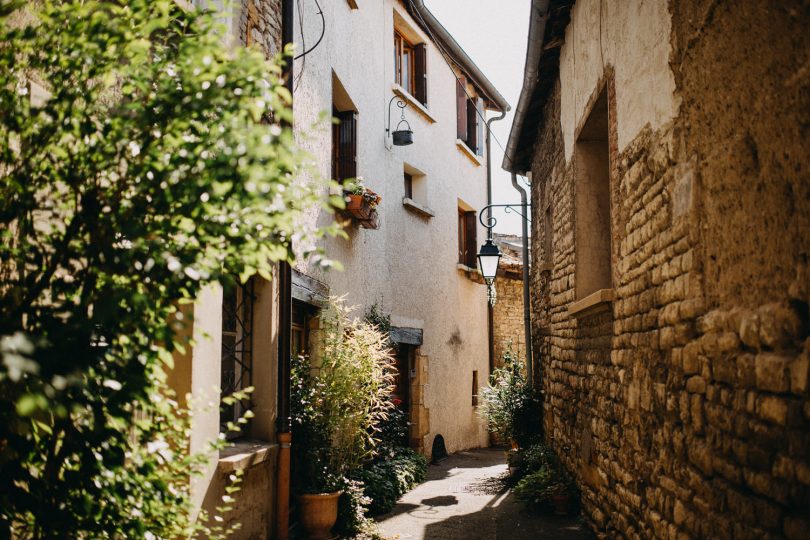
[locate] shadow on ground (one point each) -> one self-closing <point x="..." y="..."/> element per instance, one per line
<point x="466" y="496"/>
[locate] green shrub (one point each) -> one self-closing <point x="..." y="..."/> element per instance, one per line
<point x="532" y="458"/>
<point x="508" y="404"/>
<point x="387" y="479"/>
<point x="544" y="476"/>
<point x="156" y="166"/>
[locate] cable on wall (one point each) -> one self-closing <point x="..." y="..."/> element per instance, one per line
<point x="449" y="63"/>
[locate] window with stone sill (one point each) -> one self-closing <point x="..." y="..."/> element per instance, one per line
<point x="470" y="115"/>
<point x="592" y="203"/>
<point x="410" y="66"/>
<point x="467" y="237"/>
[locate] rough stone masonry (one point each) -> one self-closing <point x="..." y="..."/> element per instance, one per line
<point x="682" y="405"/>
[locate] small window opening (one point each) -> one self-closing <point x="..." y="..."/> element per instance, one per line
<point x="592" y="173"/>
<point x="475" y="388"/>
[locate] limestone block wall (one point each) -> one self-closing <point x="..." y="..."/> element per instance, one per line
<point x="507" y="318"/>
<point x="682" y="407"/>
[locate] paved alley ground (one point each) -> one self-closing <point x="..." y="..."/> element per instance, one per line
<point x="464" y="497"/>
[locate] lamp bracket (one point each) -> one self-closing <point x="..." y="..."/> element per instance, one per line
<point x="401" y="104"/>
<point x="489" y="222"/>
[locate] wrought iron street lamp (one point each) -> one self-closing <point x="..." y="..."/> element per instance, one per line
<point x="488" y="259"/>
<point x="489" y="256"/>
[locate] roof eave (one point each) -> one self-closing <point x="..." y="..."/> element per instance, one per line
<point x="438" y="31"/>
<point x="534" y="49"/>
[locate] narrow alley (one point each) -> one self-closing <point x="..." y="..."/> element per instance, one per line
<point x="465" y="497"/>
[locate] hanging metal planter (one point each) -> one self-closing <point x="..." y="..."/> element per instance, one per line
<point x="402" y="137"/>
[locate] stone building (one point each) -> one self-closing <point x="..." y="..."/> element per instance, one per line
<point x="236" y="336"/>
<point x="507" y="313"/>
<point x="415" y="261"/>
<point x="666" y="143"/>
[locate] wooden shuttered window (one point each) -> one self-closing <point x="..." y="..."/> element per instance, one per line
<point x="467" y="238"/>
<point x="472" y="126"/>
<point x="461" y="108"/>
<point x="472" y="240"/>
<point x="479" y="126"/>
<point x="420" y="73"/>
<point x="344" y="146"/>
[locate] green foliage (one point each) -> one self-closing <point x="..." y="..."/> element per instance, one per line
<point x="157" y="164"/>
<point x="339" y="398"/>
<point x="508" y="403"/>
<point x="532" y="458"/>
<point x="543" y="476"/>
<point x="394" y="430"/>
<point x="391" y="476"/>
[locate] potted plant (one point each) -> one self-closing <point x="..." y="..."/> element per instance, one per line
<point x="361" y="201"/>
<point x="548" y="484"/>
<point x="508" y="404"/>
<point x="339" y="396"/>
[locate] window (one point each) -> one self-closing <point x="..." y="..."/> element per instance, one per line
<point x="469" y="117"/>
<point x="302" y="316"/>
<point x="467" y="248"/>
<point x="408" y="185"/>
<point x="237" y="347"/>
<point x="410" y="65"/>
<point x="592" y="185"/>
<point x="344" y="145"/>
<point x="475" y="388"/>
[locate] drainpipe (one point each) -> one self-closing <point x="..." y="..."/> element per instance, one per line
<point x="284" y="435"/>
<point x="490" y="308"/>
<point x="527" y="318"/>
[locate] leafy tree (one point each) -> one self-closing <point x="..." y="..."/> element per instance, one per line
<point x="158" y="163"/>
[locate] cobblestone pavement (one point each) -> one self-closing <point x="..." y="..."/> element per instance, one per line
<point x="465" y="498"/>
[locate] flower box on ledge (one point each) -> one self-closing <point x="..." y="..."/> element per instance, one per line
<point x="362" y="207"/>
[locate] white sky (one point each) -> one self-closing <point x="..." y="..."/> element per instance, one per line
<point x="493" y="33"/>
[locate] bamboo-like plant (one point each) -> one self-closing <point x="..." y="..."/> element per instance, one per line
<point x="339" y="402"/>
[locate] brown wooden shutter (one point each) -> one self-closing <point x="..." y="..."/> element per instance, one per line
<point x="420" y="73"/>
<point x="347" y="146"/>
<point x="479" y="125"/>
<point x="461" y="108"/>
<point x="472" y="126"/>
<point x="471" y="240"/>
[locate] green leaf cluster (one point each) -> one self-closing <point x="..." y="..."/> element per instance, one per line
<point x="340" y="397"/>
<point x="157" y="161"/>
<point x="509" y="405"/>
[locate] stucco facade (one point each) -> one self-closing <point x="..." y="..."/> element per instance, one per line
<point x="674" y="348"/>
<point x="409" y="265"/>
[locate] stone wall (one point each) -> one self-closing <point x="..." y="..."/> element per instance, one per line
<point x="682" y="405"/>
<point x="507" y="318"/>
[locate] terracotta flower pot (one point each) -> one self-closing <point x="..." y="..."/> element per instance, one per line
<point x="359" y="207"/>
<point x="318" y="514"/>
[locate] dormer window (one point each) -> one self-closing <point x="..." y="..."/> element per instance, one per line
<point x="410" y="63"/>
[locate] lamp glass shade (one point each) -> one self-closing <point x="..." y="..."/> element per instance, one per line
<point x="488" y="259"/>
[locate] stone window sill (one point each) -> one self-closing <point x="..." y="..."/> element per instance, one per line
<point x="467" y="151"/>
<point x="472" y="273"/>
<point x="414" y="206"/>
<point x="413" y="102"/>
<point x="243" y="454"/>
<point x="596" y="301"/>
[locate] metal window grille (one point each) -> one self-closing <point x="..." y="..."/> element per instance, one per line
<point x="237" y="348"/>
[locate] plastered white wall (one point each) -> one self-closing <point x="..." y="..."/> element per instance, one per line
<point x="635" y="39"/>
<point x="409" y="264"/>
